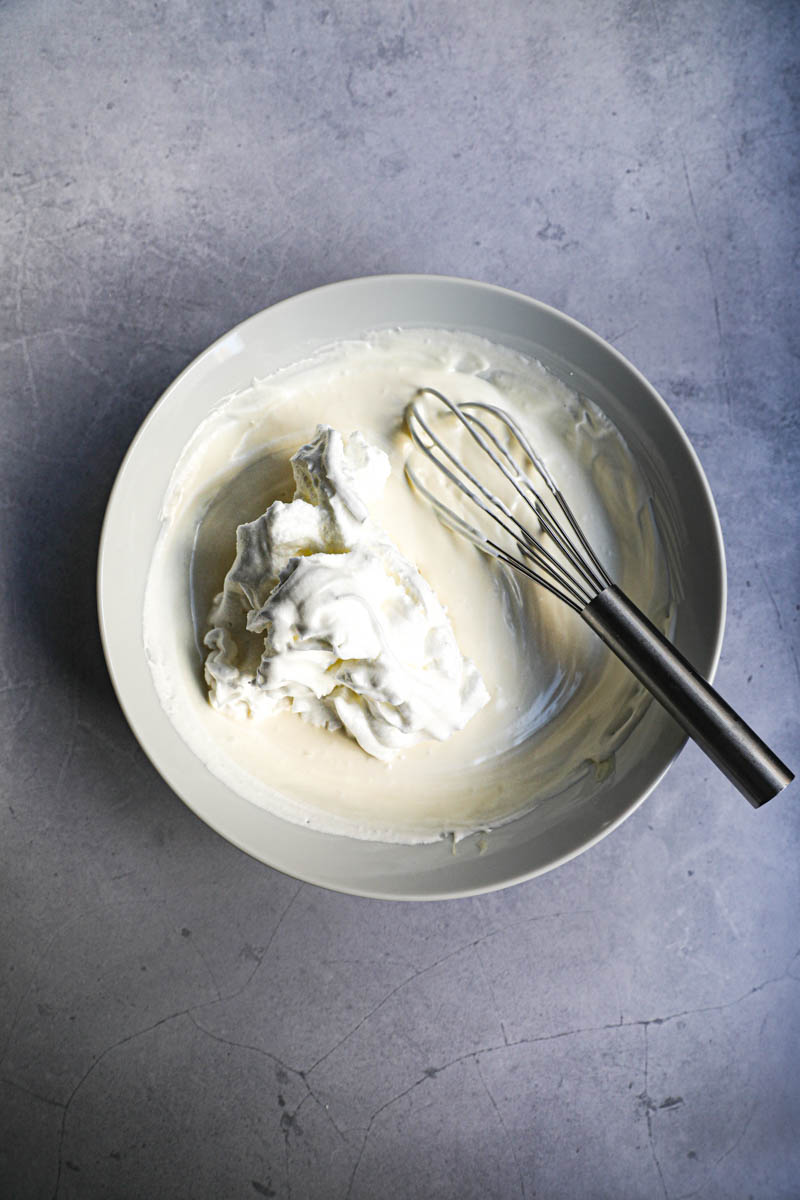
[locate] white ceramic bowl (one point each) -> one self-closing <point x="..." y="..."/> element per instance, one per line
<point x="291" y="330"/>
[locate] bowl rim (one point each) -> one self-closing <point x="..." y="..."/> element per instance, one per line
<point x="355" y="284"/>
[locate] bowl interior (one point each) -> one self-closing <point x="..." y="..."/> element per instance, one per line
<point x="291" y="330"/>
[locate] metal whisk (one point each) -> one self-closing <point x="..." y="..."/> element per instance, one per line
<point x="558" y="556"/>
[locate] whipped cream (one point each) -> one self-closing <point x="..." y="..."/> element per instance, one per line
<point x="560" y="704"/>
<point x="347" y="632"/>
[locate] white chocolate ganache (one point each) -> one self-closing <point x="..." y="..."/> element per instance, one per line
<point x="524" y="702"/>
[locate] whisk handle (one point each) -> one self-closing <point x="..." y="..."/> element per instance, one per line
<point x="703" y="714"/>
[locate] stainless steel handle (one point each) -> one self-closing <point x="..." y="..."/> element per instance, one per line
<point x="718" y="730"/>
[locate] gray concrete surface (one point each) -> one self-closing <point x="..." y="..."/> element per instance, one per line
<point x="177" y="1020"/>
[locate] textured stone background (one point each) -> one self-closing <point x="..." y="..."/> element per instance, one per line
<point x="177" y="1020"/>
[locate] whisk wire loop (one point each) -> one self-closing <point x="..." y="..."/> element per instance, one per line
<point x="539" y="507"/>
<point x="512" y="425"/>
<point x="571" y="577"/>
<point x="484" y="543"/>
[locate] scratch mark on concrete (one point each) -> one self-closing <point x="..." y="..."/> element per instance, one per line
<point x="502" y="1123"/>
<point x="95" y="1063"/>
<point x="715" y="298"/>
<point x="648" y="1113"/>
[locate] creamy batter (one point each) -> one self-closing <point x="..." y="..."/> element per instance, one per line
<point x="559" y="704"/>
<point x="321" y="615"/>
